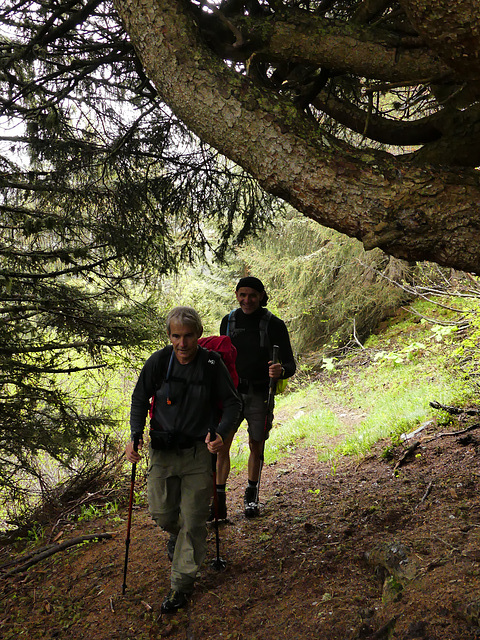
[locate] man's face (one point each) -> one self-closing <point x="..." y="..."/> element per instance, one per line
<point x="249" y="299"/>
<point x="185" y="340"/>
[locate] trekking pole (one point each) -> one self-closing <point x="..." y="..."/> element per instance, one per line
<point x="269" y="416"/>
<point x="218" y="564"/>
<point x="136" y="439"/>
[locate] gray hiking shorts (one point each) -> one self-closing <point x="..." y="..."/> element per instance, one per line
<point x="254" y="411"/>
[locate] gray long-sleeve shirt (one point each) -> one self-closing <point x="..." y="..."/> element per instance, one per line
<point x="188" y="401"/>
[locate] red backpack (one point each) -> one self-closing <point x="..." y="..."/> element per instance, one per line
<point x="224" y="347"/>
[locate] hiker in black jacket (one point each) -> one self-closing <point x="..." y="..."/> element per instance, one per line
<point x="188" y="384"/>
<point x="253" y="331"/>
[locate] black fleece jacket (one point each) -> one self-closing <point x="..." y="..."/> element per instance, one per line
<point x="252" y="360"/>
<point x="194" y="395"/>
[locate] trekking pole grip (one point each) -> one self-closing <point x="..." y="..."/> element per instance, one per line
<point x="213" y="435"/>
<point x="276" y="353"/>
<point x="275" y="358"/>
<point x="136" y="441"/>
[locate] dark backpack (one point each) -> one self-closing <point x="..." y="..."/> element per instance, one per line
<point x="264" y="340"/>
<point x="263" y="327"/>
<point x="219" y="344"/>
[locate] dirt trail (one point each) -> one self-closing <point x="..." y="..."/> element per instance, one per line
<point x="364" y="552"/>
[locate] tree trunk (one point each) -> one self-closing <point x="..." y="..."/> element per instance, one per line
<point x="413" y="213"/>
<point x="450" y="29"/>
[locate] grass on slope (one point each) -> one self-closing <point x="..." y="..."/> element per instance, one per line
<point x="380" y="391"/>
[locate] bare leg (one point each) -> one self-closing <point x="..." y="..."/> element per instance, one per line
<point x="223" y="460"/>
<point x="254" y="459"/>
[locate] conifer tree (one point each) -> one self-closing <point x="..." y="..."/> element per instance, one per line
<point x="102" y="190"/>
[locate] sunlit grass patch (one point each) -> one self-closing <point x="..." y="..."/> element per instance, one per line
<point x="306" y="429"/>
<point x="395" y="404"/>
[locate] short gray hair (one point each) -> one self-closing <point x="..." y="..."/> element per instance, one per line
<point x="185" y="315"/>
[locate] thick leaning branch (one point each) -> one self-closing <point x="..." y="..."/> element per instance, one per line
<point x="451" y="30"/>
<point x="379" y="128"/>
<point x="310" y="39"/>
<point x="446" y="126"/>
<point x="410" y="212"/>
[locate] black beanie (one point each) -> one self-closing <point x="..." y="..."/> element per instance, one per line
<point x="253" y="283"/>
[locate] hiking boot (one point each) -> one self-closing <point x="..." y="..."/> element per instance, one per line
<point x="174" y="600"/>
<point x="222" y="507"/>
<point x="251" y="503"/>
<point x="172" y="541"/>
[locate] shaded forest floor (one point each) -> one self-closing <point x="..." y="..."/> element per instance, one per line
<point x="359" y="551"/>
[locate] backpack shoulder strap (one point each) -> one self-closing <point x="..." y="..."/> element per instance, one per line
<point x="163" y="365"/>
<point x="231" y="323"/>
<point x="210" y="356"/>
<point x="210" y="365"/>
<point x="263" y="327"/>
<point x="162" y="373"/>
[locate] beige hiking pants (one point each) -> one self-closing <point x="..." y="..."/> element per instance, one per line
<point x="180" y="487"/>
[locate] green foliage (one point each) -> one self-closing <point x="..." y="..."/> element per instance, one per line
<point x="206" y="286"/>
<point x="398" y="408"/>
<point x="412" y="350"/>
<point x="441" y="331"/>
<point x="406" y="353"/>
<point x="36" y="534"/>
<point x="328" y="364"/>
<point x="464" y="359"/>
<point x="102" y="192"/>
<point x="55" y="375"/>
<point x="323" y="284"/>
<point x="92" y="512"/>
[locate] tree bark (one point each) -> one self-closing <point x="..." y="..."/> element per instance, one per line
<point x="451" y="29"/>
<point x="305" y="38"/>
<point x="413" y="213"/>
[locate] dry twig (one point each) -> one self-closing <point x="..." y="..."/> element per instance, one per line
<point x="453" y="433"/>
<point x="407" y="453"/>
<point x="46" y="552"/>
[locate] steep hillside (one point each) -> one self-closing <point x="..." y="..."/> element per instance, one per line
<point x="375" y="549"/>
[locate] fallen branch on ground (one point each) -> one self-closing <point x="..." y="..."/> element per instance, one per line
<point x="425" y="495"/>
<point x="407" y="453"/>
<point x="453" y="433"/>
<point x="416" y="443"/>
<point x="454" y="411"/>
<point x="32" y="559"/>
<point x="26" y="556"/>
